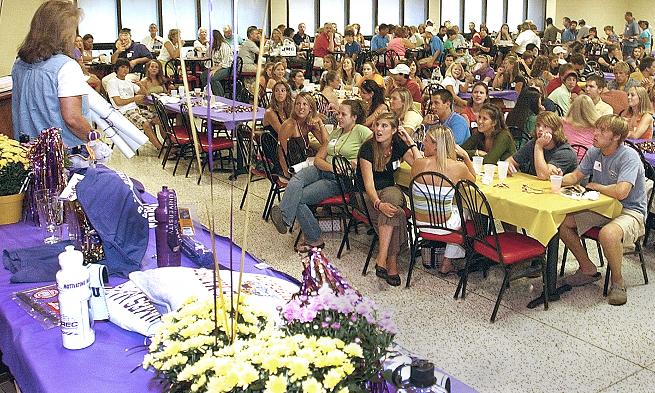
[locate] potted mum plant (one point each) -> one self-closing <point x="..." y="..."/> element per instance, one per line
<point x="14" y="168"/>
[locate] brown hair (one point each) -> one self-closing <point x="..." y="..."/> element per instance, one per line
<point x="52" y="31"/>
<point x="160" y="73"/>
<point x="379" y="160"/>
<point x="617" y="124"/>
<point x="287" y="105"/>
<point x="554" y="122"/>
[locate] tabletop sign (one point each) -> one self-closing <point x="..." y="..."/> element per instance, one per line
<point x="288" y="50"/>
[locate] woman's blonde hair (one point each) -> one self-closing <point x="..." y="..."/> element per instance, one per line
<point x="582" y="112"/>
<point x="645" y="106"/>
<point x="444" y="142"/>
<point x="172" y="33"/>
<point x="554" y="122"/>
<point x="449" y="71"/>
<point x="379" y="160"/>
<point x="310" y="101"/>
<point x="406" y="98"/>
<point x="52" y="31"/>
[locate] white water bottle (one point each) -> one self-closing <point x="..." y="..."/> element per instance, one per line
<point x="74" y="296"/>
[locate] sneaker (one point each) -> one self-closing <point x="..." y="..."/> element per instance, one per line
<point x="276" y="217"/>
<point x="579" y="279"/>
<point x="618" y="295"/>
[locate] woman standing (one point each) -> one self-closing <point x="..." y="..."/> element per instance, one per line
<point x="294" y="134"/>
<point x="171" y="48"/>
<point x="379" y="158"/>
<point x="639" y="114"/>
<point x="222" y="60"/>
<point x="373" y="97"/>
<point x="370" y="72"/>
<point x="349" y="76"/>
<point x="402" y="105"/>
<point x="317" y="182"/>
<point x="279" y="109"/>
<point x="579" y="124"/>
<point x="479" y="97"/>
<point x="443" y="156"/>
<point x="493" y="140"/>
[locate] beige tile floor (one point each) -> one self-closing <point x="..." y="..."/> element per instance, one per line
<point x="581" y="344"/>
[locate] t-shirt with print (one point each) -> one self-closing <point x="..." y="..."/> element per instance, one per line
<point x="561" y="156"/>
<point x="385" y="178"/>
<point x="135" y="51"/>
<point x="347" y="144"/>
<point x="622" y="166"/>
<point x="124" y="89"/>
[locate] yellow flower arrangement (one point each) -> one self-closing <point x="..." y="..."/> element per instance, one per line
<point x="262" y="358"/>
<point x="14" y="166"/>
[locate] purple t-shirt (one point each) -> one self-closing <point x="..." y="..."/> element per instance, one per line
<point x="77" y="54"/>
<point x="481" y="75"/>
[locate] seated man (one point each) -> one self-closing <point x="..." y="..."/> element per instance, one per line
<point x="380" y="41"/>
<point x="124" y="97"/>
<point x="441" y="105"/>
<point x="548" y="153"/>
<point x="400" y="78"/>
<point x="436" y="48"/>
<point x="562" y="96"/>
<point x="153" y="41"/>
<point x="249" y="49"/>
<point x="136" y="54"/>
<point x="617" y="172"/>
<point x="594" y="88"/>
<point x="622" y="80"/>
<point x="323" y="44"/>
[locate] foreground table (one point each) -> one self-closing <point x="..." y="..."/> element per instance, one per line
<point x="540" y="214"/>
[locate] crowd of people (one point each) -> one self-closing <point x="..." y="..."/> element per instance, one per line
<point x="563" y="98"/>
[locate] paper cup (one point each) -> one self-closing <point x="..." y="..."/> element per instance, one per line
<point x="555" y="183"/>
<point x="181" y="90"/>
<point x="477" y="164"/>
<point x="503" y="166"/>
<point x="197" y="91"/>
<point x="174" y="93"/>
<point x="489" y="170"/>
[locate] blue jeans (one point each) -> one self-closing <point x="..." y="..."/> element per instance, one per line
<point x="307" y="187"/>
<point x="217" y="77"/>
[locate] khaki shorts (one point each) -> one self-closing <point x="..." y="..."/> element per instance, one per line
<point x="630" y="221"/>
<point x="139" y="117"/>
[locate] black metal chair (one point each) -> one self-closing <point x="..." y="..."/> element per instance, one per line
<point x="268" y="147"/>
<point x="175" y="136"/>
<point x="520" y="136"/>
<point x="248" y="151"/>
<point x="506" y="249"/>
<point x="433" y="199"/>
<point x="559" y="110"/>
<point x="579" y="149"/>
<point x="391" y="59"/>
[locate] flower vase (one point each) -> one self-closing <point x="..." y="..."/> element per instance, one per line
<point x="11" y="208"/>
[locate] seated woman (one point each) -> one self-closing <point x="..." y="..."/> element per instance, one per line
<point x="479" y="97"/>
<point x="579" y="124"/>
<point x="639" y="114"/>
<point x="541" y="70"/>
<point x="349" y="75"/>
<point x="273" y="46"/>
<point x="370" y="72"/>
<point x="329" y="64"/>
<point x="482" y="71"/>
<point x="201" y="45"/>
<point x="400" y="43"/>
<point x="508" y="76"/>
<point x="278" y="75"/>
<point x="267" y="74"/>
<point x="329" y="86"/>
<point x="221" y="53"/>
<point x="456" y="81"/>
<point x="413" y="68"/>
<point x="373" y="97"/>
<point x="547" y="153"/>
<point x="171" y="48"/>
<point x="296" y="82"/>
<point x="154" y="81"/>
<point x="317" y="182"/>
<point x="279" y="109"/>
<point x="402" y="105"/>
<point x="379" y="158"/>
<point x="294" y="134"/>
<point x="524" y="113"/>
<point x="442" y="155"/>
<point x="492" y="141"/>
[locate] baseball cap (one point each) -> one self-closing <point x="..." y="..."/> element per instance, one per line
<point x="569" y="73"/>
<point x="558" y="49"/>
<point x="431" y="30"/>
<point x="400" y="69"/>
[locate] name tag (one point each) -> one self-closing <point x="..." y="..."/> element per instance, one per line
<point x="332" y="143"/>
<point x="129" y="55"/>
<point x="474" y="124"/>
<point x="395" y="165"/>
<point x="597" y="166"/>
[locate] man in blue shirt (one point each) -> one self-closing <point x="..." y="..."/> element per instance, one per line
<point x="567" y="34"/>
<point x="617" y="172"/>
<point x="442" y="105"/>
<point x="137" y="54"/>
<point x="436" y="48"/>
<point x="630" y="34"/>
<point x="381" y="40"/>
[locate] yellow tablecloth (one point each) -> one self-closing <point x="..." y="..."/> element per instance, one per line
<point x="540" y="214"/>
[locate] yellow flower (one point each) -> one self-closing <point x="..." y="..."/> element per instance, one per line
<point x="311" y="385"/>
<point x="298" y="368"/>
<point x="354" y="350"/>
<point x="276" y="384"/>
<point x="332" y="378"/>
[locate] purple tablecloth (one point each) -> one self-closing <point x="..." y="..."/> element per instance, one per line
<point x="609" y="76"/>
<point x="510" y="95"/>
<point x="650" y="157"/>
<point x="229" y="119"/>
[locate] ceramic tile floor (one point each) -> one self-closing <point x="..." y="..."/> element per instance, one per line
<point x="581" y="344"/>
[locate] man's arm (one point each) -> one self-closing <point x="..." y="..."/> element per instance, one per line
<point x="573" y="178"/>
<point x="618" y="191"/>
<point x="119" y="49"/>
<point x="71" y="112"/>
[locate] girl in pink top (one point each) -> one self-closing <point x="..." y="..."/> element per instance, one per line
<point x="579" y="123"/>
<point x="400" y="43"/>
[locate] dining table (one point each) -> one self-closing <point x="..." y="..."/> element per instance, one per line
<point x="538" y="210"/>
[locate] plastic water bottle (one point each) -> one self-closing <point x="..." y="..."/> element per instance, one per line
<point x="167" y="234"/>
<point x="74" y="296"/>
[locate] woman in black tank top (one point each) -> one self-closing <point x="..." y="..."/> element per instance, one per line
<point x="279" y="108"/>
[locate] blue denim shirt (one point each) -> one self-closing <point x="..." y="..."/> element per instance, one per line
<point x="35" y="100"/>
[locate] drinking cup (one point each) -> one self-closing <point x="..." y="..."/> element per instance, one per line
<point x="555" y="183"/>
<point x="477" y="164"/>
<point x="503" y="166"/>
<point x="489" y="170"/>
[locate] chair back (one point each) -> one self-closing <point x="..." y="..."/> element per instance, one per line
<point x="475" y="202"/>
<point x="184" y="113"/>
<point x="172" y="70"/>
<point x="391" y="58"/>
<point x="520" y="136"/>
<point x="244" y="142"/>
<point x="268" y="148"/>
<point x="164" y="120"/>
<point x="345" y="176"/>
<point x="578" y="149"/>
<point x="559" y="110"/>
<point x="264" y="98"/>
<point x="363" y="57"/>
<point x="322" y="104"/>
<point x="434" y="199"/>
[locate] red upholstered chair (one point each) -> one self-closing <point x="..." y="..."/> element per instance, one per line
<point x="175" y="136"/>
<point x="506" y="249"/>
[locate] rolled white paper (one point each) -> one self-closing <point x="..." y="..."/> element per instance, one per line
<point x="111" y="134"/>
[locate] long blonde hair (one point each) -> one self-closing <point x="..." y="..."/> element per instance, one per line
<point x="645" y="106"/>
<point x="582" y="112"/>
<point x="406" y="98"/>
<point x="444" y="142"/>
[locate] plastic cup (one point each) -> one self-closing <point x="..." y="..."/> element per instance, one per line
<point x="489" y="170"/>
<point x="477" y="164"/>
<point x="174" y="93"/>
<point x="197" y="91"/>
<point x="329" y="128"/>
<point x="181" y="90"/>
<point x="503" y="166"/>
<point x="555" y="183"/>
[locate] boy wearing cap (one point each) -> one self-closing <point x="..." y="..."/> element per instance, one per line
<point x="562" y="95"/>
<point x="137" y="54"/>
<point x="557" y="82"/>
<point x="436" y="48"/>
<point x="400" y="78"/>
